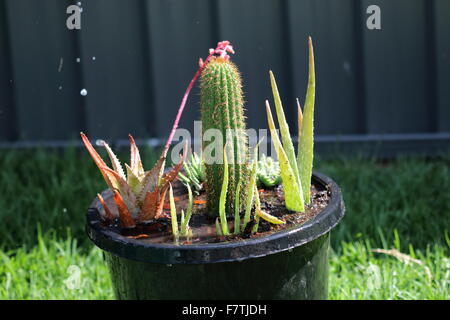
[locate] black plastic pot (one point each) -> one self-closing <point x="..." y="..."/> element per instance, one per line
<point x="291" y="264"/>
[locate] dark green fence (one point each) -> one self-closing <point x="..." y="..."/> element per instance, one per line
<point x="135" y="59"/>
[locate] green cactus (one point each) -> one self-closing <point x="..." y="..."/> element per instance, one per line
<point x="222" y="109"/>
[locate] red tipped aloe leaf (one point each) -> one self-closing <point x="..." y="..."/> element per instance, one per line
<point x="135" y="161"/>
<point x="97" y="159"/>
<point x="108" y="214"/>
<point x="170" y="176"/>
<point x="114" y="161"/>
<point x="159" y="208"/>
<point x="124" y="214"/>
<point x="148" y="211"/>
<point x="122" y="185"/>
<point x="151" y="179"/>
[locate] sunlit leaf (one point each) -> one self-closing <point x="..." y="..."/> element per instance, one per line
<point x="257" y="208"/>
<point x="292" y="190"/>
<point x="135" y="158"/>
<point x="187" y="217"/>
<point x="114" y="161"/>
<point x="108" y="214"/>
<point x="284" y="128"/>
<point x="237" y="217"/>
<point x="252" y="183"/>
<point x="306" y="142"/>
<point x="126" y="219"/>
<point x="223" y="194"/>
<point x="173" y="213"/>
<point x="97" y="159"/>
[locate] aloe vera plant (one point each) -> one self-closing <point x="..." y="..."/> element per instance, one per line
<point x="138" y="194"/>
<point x="296" y="171"/>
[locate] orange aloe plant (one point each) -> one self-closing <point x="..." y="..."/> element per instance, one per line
<point x="138" y="194"/>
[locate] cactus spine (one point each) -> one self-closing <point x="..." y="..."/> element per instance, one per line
<point x="222" y="109"/>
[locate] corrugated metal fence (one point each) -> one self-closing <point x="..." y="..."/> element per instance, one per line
<point x="135" y="58"/>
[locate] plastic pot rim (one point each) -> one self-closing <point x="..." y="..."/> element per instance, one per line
<point x="228" y="251"/>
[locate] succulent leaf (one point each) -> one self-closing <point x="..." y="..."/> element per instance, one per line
<point x="151" y="179"/>
<point x="252" y="183"/>
<point x="97" y="159"/>
<point x="135" y="158"/>
<point x="292" y="190"/>
<point x="149" y="207"/>
<point x="187" y="217"/>
<point x="268" y="172"/>
<point x="138" y="195"/>
<point x="223" y="194"/>
<point x="257" y="208"/>
<point x="114" y="161"/>
<point x="300" y="122"/>
<point x="284" y="128"/>
<point x="173" y="213"/>
<point x="237" y="217"/>
<point x="306" y="142"/>
<point x="126" y="219"/>
<point x="108" y="214"/>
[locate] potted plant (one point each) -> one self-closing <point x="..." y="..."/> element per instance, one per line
<point x="232" y="226"/>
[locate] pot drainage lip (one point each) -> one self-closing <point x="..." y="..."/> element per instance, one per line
<point x="229" y="251"/>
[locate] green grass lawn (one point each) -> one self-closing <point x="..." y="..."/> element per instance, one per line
<point x="402" y="205"/>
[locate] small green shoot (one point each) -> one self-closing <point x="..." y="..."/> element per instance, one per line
<point x="292" y="189"/>
<point x="218" y="228"/>
<point x="237" y="217"/>
<point x="194" y="173"/>
<point x="257" y="209"/>
<point x="185" y="218"/>
<point x="306" y="139"/>
<point x="252" y="184"/>
<point x="173" y="215"/>
<point x="223" y="194"/>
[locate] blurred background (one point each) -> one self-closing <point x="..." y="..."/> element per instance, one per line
<point x="135" y="60"/>
<point x="382" y="124"/>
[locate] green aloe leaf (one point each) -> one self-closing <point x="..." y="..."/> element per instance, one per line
<point x="173" y="214"/>
<point x="284" y="128"/>
<point x="292" y="189"/>
<point x="187" y="217"/>
<point x="306" y="141"/>
<point x="257" y="208"/>
<point x="223" y="194"/>
<point x="252" y="183"/>
<point x="268" y="217"/>
<point x="237" y="217"/>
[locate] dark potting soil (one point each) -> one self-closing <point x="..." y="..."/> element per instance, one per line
<point x="203" y="225"/>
